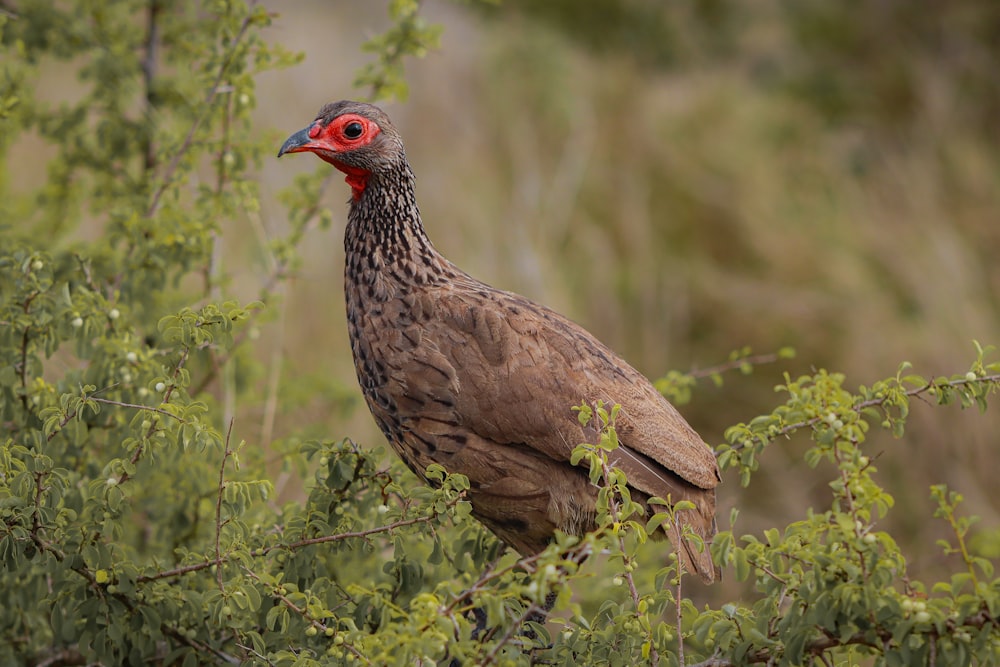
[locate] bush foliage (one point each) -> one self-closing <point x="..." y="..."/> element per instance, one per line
<point x="138" y="527"/>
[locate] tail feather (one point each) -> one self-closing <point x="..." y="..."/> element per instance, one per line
<point x="695" y="558"/>
<point x="649" y="479"/>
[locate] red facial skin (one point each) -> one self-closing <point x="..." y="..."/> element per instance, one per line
<point x="328" y="141"/>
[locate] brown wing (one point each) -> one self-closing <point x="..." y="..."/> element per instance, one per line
<point x="483" y="382"/>
<point x="523" y="367"/>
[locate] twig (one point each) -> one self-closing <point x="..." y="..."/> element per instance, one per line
<point x="130" y="604"/>
<point x="679" y="595"/>
<point x="532" y="608"/>
<point x="36" y="513"/>
<point x="218" y="509"/>
<point x="815" y="648"/>
<point x="873" y="403"/>
<point x="137" y="406"/>
<point x="252" y="651"/>
<point x="753" y="360"/>
<point x="137" y="454"/>
<point x="654" y="655"/>
<point x="25" y="339"/>
<point x="148" y="74"/>
<point x="275" y="274"/>
<point x="66" y="656"/>
<point x="490" y="574"/>
<point x="878" y="402"/>
<point x="293" y="546"/>
<point x="217" y="87"/>
<point x="304" y="613"/>
<point x="221" y="178"/>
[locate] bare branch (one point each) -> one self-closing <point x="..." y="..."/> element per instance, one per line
<point x="136" y="406"/>
<point x="227" y="452"/>
<point x="753" y="360"/>
<point x="294" y="546"/>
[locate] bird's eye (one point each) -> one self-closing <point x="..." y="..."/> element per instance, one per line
<point x="353" y="130"/>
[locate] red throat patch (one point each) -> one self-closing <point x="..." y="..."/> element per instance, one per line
<point x="357" y="178"/>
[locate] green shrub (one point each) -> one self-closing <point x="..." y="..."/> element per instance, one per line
<point x="139" y="528"/>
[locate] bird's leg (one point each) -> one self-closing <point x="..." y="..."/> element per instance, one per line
<point x="479" y="615"/>
<point x="539" y="614"/>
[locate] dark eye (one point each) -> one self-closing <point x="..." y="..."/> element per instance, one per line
<point x="353" y="130"/>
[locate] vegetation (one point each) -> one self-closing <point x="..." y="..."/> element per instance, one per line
<point x="169" y="496"/>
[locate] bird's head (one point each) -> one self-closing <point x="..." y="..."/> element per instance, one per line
<point x="356" y="138"/>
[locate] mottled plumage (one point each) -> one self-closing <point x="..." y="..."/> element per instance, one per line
<point x="483" y="381"/>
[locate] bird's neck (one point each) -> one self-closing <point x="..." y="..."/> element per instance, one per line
<point x="385" y="234"/>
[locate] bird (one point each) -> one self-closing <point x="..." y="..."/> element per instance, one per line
<point x="483" y="381"/>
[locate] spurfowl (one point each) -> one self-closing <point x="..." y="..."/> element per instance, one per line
<point x="483" y="381"/>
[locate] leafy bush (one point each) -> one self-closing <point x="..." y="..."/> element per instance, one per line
<point x="138" y="528"/>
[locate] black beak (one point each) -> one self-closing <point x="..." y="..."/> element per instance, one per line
<point x="296" y="141"/>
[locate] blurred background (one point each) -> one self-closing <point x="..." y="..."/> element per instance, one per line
<point x="685" y="179"/>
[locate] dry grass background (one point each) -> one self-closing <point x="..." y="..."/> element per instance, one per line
<point x="678" y="215"/>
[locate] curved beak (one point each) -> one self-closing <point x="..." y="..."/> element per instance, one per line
<point x="296" y="143"/>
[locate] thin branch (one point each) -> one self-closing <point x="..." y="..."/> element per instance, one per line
<point x="137" y="454"/>
<point x="217" y="87"/>
<point x="130" y="604"/>
<point x="293" y="546"/>
<point x="250" y="650"/>
<point x="148" y="74"/>
<point x="64" y="656"/>
<point x="613" y="506"/>
<point x="218" y="508"/>
<point x="678" y="596"/>
<point x="768" y="656"/>
<point x="136" y="406"/>
<point x="25" y="340"/>
<point x="877" y="402"/>
<point x="304" y="613"/>
<point x="753" y="360"/>
<point x="490" y="574"/>
<point x="491" y="657"/>
<point x="36" y="514"/>
<point x="276" y="273"/>
<point x="221" y="180"/>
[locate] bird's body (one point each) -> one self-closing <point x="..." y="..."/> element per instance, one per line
<point x="483" y="381"/>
